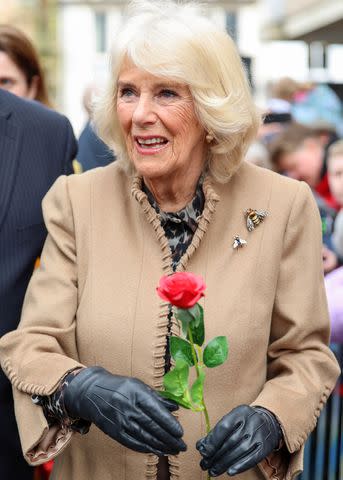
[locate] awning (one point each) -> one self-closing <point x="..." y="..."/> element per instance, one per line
<point x="229" y="4"/>
<point x="320" y="21"/>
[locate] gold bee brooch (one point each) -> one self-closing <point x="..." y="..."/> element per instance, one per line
<point x="254" y="218"/>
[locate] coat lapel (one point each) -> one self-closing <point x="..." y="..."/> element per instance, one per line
<point x="10" y="142"/>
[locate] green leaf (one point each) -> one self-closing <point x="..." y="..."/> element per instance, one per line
<point x="216" y="352"/>
<point x="185" y="317"/>
<point x="197" y="390"/>
<point x="176" y="380"/>
<point x="184" y="314"/>
<point x="189" y="314"/>
<point x="184" y="402"/>
<point x="198" y="329"/>
<point x="196" y="312"/>
<point x="180" y="348"/>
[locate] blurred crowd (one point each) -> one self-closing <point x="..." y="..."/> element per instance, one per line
<point x="301" y="137"/>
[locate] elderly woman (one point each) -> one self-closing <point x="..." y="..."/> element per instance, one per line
<point x="92" y="344"/>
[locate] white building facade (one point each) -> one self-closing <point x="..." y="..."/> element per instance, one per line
<point x="88" y="28"/>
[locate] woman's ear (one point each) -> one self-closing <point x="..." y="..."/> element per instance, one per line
<point x="33" y="88"/>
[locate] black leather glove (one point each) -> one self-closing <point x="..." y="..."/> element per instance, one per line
<point x="239" y="441"/>
<point x="126" y="409"/>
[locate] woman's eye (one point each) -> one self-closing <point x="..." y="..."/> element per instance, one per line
<point x="126" y="92"/>
<point x="6" y="82"/>
<point x="167" y="93"/>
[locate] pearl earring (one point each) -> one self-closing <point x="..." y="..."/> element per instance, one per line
<point x="209" y="138"/>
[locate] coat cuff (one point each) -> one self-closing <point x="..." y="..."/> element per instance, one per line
<point x="35" y="433"/>
<point x="35" y="378"/>
<point x="282" y="464"/>
<point x="54" y="441"/>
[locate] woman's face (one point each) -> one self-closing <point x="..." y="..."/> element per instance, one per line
<point x="335" y="176"/>
<point x="163" y="135"/>
<point x="13" y="79"/>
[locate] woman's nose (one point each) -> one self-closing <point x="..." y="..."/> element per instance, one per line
<point x="144" y="112"/>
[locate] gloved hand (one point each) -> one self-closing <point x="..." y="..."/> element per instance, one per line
<point x="239" y="441"/>
<point x="126" y="409"/>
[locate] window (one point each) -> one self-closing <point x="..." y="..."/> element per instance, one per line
<point x="100" y="31"/>
<point x="231" y="24"/>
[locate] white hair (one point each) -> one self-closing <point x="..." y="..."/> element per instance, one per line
<point x="176" y="40"/>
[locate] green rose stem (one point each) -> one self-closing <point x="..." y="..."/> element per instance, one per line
<point x="183" y="290"/>
<point x="196" y="364"/>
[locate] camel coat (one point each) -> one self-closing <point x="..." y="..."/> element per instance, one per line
<point x="93" y="302"/>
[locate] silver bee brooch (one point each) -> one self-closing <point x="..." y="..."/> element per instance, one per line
<point x="254" y="218"/>
<point x="238" y="242"/>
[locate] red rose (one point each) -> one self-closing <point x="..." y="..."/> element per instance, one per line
<point x="182" y="289"/>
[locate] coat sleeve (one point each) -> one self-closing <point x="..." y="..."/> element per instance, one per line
<point x="302" y="371"/>
<point x="43" y="349"/>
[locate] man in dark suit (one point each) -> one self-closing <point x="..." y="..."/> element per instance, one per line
<point x="36" y="146"/>
<point x="92" y="151"/>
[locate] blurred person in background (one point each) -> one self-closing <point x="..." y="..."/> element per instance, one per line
<point x="20" y="69"/>
<point x="314" y="104"/>
<point x="21" y="72"/>
<point x="258" y="154"/>
<point x="36" y="146"/>
<point x="326" y="135"/>
<point x="334" y="289"/>
<point x="92" y="151"/>
<point x="334" y="279"/>
<point x="298" y="152"/>
<point x="273" y="125"/>
<point x="280" y="98"/>
<point x="335" y="178"/>
<point x="278" y="109"/>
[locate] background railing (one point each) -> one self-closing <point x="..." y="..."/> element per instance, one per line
<point x="324" y="448"/>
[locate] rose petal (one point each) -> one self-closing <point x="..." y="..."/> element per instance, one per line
<point x="182" y="289"/>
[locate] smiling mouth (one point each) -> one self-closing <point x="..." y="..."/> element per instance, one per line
<point x="151" y="143"/>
